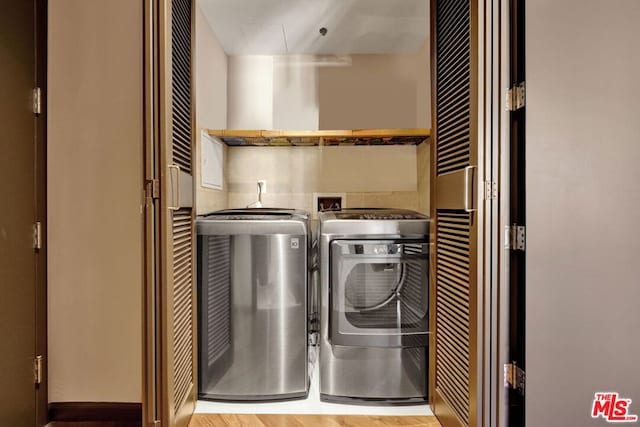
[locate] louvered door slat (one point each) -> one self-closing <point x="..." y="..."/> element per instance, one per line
<point x="453" y="85"/>
<point x="454" y="54"/>
<point x="456" y="100"/>
<point x="181" y="84"/>
<point x="453" y="319"/>
<point x="452" y="127"/>
<point x="182" y="305"/>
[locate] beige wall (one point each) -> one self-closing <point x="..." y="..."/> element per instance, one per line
<point x="582" y="175"/>
<point x="95" y="200"/>
<point x="211" y="104"/>
<point x="377" y="91"/>
<point x="371" y="176"/>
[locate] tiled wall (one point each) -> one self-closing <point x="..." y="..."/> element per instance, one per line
<point x="369" y="176"/>
<point x="391" y="199"/>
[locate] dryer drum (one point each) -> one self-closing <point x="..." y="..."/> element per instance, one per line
<point x="363" y="296"/>
<point x="388" y="293"/>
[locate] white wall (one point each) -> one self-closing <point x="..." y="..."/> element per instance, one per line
<point x="583" y="204"/>
<point x="295" y="94"/>
<point x="95" y="200"/>
<point x="211" y="104"/>
<point x="250" y="92"/>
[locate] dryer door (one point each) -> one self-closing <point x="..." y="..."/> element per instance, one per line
<point x="379" y="293"/>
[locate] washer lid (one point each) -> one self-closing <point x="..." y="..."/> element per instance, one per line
<point x="255" y="214"/>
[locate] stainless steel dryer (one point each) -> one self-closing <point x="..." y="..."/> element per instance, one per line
<point x="374" y="273"/>
<point x="252" y="317"/>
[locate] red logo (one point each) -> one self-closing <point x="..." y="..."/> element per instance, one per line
<point x="612" y="408"/>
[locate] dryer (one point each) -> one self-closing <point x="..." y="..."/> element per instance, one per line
<point x="374" y="276"/>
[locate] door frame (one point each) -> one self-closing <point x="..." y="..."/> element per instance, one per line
<point x="151" y="333"/>
<point x="492" y="104"/>
<point x="499" y="197"/>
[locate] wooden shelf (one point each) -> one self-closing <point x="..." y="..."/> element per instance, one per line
<point x="287" y="138"/>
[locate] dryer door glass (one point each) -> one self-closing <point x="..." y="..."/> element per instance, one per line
<point x="379" y="293"/>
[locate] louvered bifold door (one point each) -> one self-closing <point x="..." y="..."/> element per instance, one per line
<point x="454" y="360"/>
<point x="178" y="244"/>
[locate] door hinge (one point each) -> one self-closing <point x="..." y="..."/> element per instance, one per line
<point x="152" y="189"/>
<point x="37" y="235"/>
<point x="37" y="100"/>
<point x="37" y="369"/>
<point x="515" y="237"/>
<point x="156" y="423"/>
<point x="514" y="377"/>
<point x="516" y="97"/>
<point x="490" y="190"/>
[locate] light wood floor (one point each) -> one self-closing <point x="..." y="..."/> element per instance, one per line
<point x="257" y="420"/>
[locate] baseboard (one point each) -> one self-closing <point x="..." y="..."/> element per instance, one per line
<point x="95" y="411"/>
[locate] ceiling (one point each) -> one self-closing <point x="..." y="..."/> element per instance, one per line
<point x="280" y="27"/>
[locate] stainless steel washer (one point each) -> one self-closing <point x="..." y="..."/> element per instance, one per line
<point x="252" y="289"/>
<point x="374" y="266"/>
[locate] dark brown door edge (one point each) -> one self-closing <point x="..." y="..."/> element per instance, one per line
<point x="517" y="258"/>
<point x="41" y="29"/>
<point x="23" y="328"/>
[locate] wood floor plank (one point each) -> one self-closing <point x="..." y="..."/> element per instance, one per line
<point x="288" y="420"/>
<point x="317" y="421"/>
<point x="226" y="420"/>
<point x="359" y="420"/>
<point x="279" y="421"/>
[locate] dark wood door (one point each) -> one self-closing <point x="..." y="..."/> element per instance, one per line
<point x="22" y="265"/>
<point x="517" y="211"/>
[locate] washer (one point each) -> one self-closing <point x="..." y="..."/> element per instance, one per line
<point x="253" y="304"/>
<point x="374" y="286"/>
